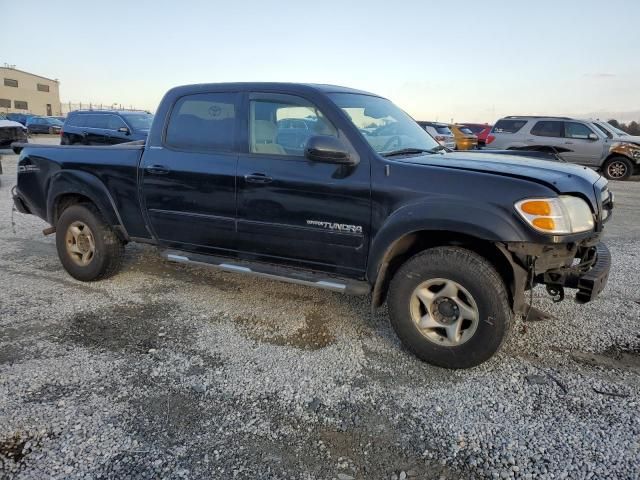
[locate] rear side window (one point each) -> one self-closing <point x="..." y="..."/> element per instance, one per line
<point x="76" y="120"/>
<point x="547" y="128"/>
<point x="203" y="121"/>
<point x="508" y="126"/>
<point x="96" y="121"/>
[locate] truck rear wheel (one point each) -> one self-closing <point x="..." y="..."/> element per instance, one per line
<point x="449" y="307"/>
<point x="88" y="248"/>
<point x="617" y="168"/>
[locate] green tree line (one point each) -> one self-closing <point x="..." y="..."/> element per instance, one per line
<point x="632" y="128"/>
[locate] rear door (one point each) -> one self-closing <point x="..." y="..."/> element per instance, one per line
<point x="547" y="133"/>
<point x="189" y="183"/>
<point x="584" y="150"/>
<point x="290" y="209"/>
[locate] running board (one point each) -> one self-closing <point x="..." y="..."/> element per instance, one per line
<point x="273" y="272"/>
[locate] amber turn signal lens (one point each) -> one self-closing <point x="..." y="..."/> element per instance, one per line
<point x="536" y="207"/>
<point x="544" y="223"/>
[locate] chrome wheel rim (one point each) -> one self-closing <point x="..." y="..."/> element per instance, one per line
<point x="617" y="169"/>
<point x="80" y="243"/>
<point x="444" y="312"/>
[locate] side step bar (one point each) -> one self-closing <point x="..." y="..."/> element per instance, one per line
<point x="273" y="272"/>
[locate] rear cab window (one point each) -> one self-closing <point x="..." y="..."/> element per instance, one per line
<point x="508" y="126"/>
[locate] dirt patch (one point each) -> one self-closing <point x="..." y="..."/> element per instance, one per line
<point x="50" y="392"/>
<point x="131" y="328"/>
<point x="15" y="449"/>
<point x="618" y="357"/>
<point x="315" y="333"/>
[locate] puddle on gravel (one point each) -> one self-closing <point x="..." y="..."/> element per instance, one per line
<point x="624" y="358"/>
<point x="315" y="333"/>
<point x="133" y="328"/>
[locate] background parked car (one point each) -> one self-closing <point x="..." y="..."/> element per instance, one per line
<point x="576" y="141"/>
<point x="20" y="117"/>
<point x="294" y="132"/>
<point x="105" y="127"/>
<point x="11" y="131"/>
<point x="441" y="132"/>
<point x="465" y="138"/>
<point x="481" y="130"/>
<point x="44" y="125"/>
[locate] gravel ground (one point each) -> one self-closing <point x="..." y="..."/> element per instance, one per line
<point x="165" y="371"/>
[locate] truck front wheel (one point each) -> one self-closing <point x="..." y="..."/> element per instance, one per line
<point x="449" y="307"/>
<point x="88" y="248"/>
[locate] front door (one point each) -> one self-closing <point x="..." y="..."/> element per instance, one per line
<point x="188" y="184"/>
<point x="290" y="209"/>
<point x="584" y="150"/>
<point x="48" y="109"/>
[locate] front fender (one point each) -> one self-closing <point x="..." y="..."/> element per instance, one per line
<point x="82" y="183"/>
<point x="480" y="220"/>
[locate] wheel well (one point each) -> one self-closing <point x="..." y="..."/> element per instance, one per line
<point x="409" y="245"/>
<point x="65" y="201"/>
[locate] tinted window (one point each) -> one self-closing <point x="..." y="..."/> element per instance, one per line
<point x="266" y="135"/>
<point x="547" y="128"/>
<point x="9" y="82"/>
<point x="114" y="122"/>
<point x="508" y="126"/>
<point x="577" y="130"/>
<point x="443" y="130"/>
<point x="139" y="121"/>
<point x="203" y="121"/>
<point x="96" y="121"/>
<point x="76" y="120"/>
<point x="465" y="130"/>
<point x="476" y="128"/>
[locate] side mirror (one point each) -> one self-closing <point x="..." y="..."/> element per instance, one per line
<point x="326" y="149"/>
<point x="593" y="136"/>
<point x="124" y="130"/>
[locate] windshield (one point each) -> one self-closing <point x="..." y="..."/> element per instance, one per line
<point x="603" y="130"/>
<point x="138" y="121"/>
<point x="383" y="125"/>
<point x="466" y="130"/>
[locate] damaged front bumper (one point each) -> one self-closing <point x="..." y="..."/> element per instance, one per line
<point x="582" y="265"/>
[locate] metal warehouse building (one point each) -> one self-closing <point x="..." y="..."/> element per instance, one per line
<point x="24" y="92"/>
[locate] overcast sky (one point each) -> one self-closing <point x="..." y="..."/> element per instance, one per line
<point x="466" y="60"/>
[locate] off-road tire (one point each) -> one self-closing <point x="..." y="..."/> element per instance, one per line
<point x="620" y="162"/>
<point x="109" y="248"/>
<point x="479" y="278"/>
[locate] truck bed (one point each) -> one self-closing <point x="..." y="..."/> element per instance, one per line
<point x="115" y="167"/>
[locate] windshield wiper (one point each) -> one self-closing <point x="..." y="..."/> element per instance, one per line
<point x="405" y="151"/>
<point x="438" y="148"/>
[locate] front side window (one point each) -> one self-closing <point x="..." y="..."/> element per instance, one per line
<point x="604" y="130"/>
<point x="139" y="121"/>
<point x="20" y="105"/>
<point x="114" y="122"/>
<point x="282" y="127"/>
<point x="10" y="82"/>
<point x="385" y="126"/>
<point x="96" y="121"/>
<point x="547" y="128"/>
<point x="577" y="130"/>
<point x="203" y="121"/>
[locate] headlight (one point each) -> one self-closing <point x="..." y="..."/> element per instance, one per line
<point x="557" y="215"/>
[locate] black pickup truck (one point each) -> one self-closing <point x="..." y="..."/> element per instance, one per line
<point x="292" y="182"/>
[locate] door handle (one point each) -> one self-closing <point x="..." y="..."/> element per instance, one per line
<point x="258" y="178"/>
<point x="568" y="143"/>
<point x="157" y="169"/>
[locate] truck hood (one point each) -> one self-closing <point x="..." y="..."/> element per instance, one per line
<point x="628" y="139"/>
<point x="561" y="177"/>
<point x="10" y="123"/>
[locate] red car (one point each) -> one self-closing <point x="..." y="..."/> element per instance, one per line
<point x="481" y="130"/>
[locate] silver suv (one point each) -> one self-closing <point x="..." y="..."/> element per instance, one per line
<point x="576" y="141"/>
